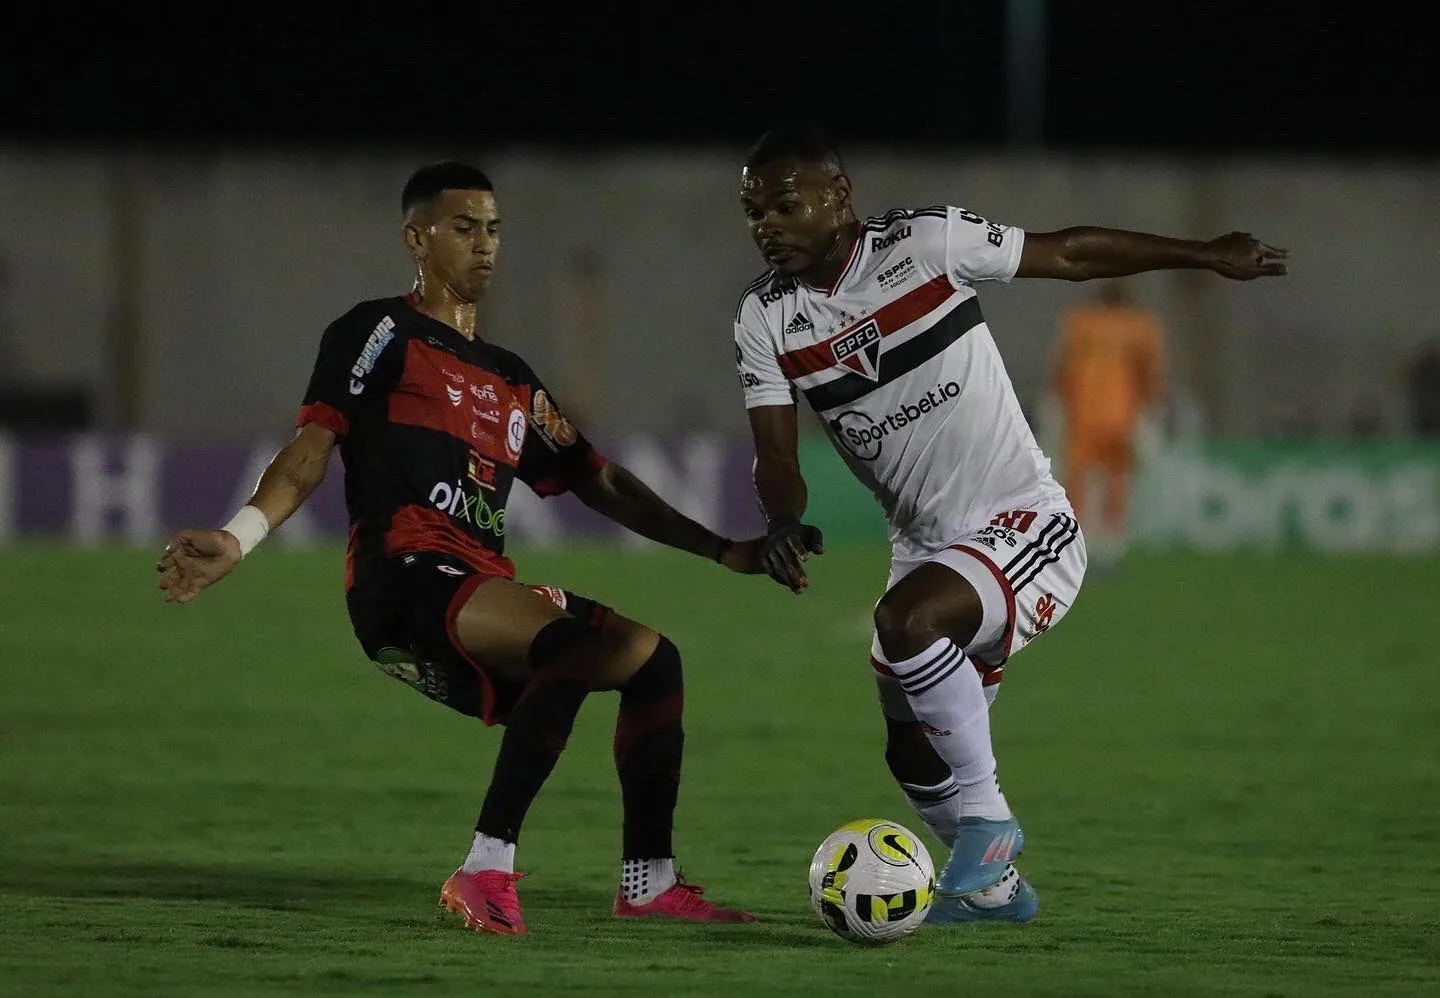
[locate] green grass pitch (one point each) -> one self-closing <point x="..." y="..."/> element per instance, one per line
<point x="1228" y="769"/>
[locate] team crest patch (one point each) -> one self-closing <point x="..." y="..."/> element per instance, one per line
<point x="515" y="434"/>
<point x="859" y="350"/>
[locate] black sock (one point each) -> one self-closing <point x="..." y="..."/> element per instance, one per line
<point x="649" y="743"/>
<point x="563" y="657"/>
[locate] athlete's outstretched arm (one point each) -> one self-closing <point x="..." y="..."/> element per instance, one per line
<point x="1085" y="253"/>
<point x="617" y="493"/>
<point x="783" y="496"/>
<point x="293" y="474"/>
<point x="195" y="559"/>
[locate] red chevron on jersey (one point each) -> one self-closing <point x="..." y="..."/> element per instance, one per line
<point x="899" y="365"/>
<point x="889" y="318"/>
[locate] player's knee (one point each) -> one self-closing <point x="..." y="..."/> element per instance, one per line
<point x="659" y="678"/>
<point x="566" y="648"/>
<point x="652" y="702"/>
<point x="905" y="628"/>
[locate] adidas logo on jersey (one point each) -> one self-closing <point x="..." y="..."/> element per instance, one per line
<point x="800" y="324"/>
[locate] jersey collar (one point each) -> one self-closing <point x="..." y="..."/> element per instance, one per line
<point x="859" y="229"/>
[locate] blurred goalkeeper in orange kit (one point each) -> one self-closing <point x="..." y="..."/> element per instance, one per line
<point x="1108" y="379"/>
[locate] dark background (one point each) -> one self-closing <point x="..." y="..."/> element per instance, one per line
<point x="1325" y="79"/>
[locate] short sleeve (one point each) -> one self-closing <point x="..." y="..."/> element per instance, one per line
<point x="356" y="361"/>
<point x="977" y="249"/>
<point x="556" y="455"/>
<point x="760" y="376"/>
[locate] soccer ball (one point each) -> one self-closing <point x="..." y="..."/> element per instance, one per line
<point x="872" y="881"/>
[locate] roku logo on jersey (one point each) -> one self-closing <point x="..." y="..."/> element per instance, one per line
<point x="862" y="436"/>
<point x="468" y="507"/>
<point x="771" y="297"/>
<point x="878" y="243"/>
<point x="379" y="339"/>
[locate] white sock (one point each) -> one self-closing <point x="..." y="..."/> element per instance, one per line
<point x="937" y="806"/>
<point x="945" y="694"/>
<point x="645" y="878"/>
<point x="490" y="854"/>
<point x="984" y="800"/>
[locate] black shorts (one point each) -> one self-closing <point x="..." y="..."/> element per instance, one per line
<point x="403" y="611"/>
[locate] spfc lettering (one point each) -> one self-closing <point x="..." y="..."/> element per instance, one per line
<point x="859" y="350"/>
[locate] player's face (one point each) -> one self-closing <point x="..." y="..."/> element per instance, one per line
<point x="796" y="212"/>
<point x="456" y="239"/>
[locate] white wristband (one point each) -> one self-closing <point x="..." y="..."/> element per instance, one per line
<point x="249" y="526"/>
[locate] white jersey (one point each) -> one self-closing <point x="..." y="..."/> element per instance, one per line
<point x="897" y="361"/>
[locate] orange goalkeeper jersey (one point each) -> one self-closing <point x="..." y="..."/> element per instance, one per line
<point x="1109" y="368"/>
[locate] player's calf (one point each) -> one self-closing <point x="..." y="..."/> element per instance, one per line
<point x="945" y="695"/>
<point x="924" y="778"/>
<point x="940" y="687"/>
<point x="564" y="656"/>
<point x="649" y="747"/>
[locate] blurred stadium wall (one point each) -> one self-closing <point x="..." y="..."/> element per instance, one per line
<point x="159" y="314"/>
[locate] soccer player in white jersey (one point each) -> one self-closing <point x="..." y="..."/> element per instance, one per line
<point x="876" y="324"/>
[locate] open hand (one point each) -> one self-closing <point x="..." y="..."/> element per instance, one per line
<point x="1241" y="257"/>
<point x="195" y="559"/>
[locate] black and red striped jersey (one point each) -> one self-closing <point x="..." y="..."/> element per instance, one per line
<point x="434" y="430"/>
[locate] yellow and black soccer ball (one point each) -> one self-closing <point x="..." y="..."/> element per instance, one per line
<point x="872" y="881"/>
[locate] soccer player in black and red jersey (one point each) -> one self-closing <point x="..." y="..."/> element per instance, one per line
<point x="435" y="425"/>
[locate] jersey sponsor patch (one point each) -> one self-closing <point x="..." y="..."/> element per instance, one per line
<point x="379" y="339"/>
<point x="785" y="287"/>
<point x="864" y="436"/>
<point x="878" y="243"/>
<point x="550" y="421"/>
<point x="481" y="470"/>
<point x="468" y="507"/>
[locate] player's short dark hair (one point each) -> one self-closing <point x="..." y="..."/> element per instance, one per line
<point x="804" y="140"/>
<point x="427" y="183"/>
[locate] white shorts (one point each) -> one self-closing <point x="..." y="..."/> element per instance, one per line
<point x="1027" y="566"/>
